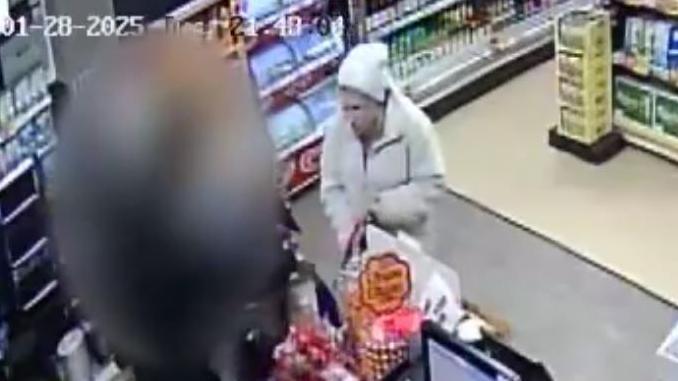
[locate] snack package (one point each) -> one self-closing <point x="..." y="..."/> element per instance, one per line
<point x="310" y="353"/>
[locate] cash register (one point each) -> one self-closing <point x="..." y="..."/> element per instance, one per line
<point x="445" y="358"/>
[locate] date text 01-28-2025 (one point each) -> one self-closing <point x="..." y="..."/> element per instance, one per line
<point x="64" y="26"/>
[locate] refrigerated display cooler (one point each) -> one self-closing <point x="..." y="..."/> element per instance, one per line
<point x="446" y="52"/>
<point x="296" y="80"/>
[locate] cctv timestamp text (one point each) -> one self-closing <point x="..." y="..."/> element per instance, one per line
<point x="64" y="26"/>
<point x="285" y="26"/>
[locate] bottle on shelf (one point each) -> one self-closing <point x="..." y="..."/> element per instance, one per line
<point x="429" y="39"/>
<point x="380" y="13"/>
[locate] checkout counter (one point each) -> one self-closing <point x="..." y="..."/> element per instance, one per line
<point x="442" y="355"/>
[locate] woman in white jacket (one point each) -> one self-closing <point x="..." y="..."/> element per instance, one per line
<point x="381" y="161"/>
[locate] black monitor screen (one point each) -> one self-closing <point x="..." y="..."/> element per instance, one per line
<point x="448" y="359"/>
<point x="446" y="365"/>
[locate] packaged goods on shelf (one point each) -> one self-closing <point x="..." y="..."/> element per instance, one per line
<point x="638" y="43"/>
<point x="25" y="122"/>
<point x="651" y="48"/>
<point x="661" y="60"/>
<point x="633" y="102"/>
<point x="436" y="36"/>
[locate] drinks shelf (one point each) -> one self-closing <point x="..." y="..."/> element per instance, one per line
<point x="624" y="70"/>
<point x="393" y="26"/>
<point x="22" y="120"/>
<point x="454" y="72"/>
<point x="648" y="138"/>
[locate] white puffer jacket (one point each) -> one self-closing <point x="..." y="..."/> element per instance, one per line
<point x="402" y="176"/>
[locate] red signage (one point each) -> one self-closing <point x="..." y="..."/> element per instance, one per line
<point x="302" y="169"/>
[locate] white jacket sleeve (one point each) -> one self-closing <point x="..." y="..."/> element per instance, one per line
<point x="332" y="188"/>
<point x="409" y="204"/>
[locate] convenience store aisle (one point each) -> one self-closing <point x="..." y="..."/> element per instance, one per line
<point x="622" y="215"/>
<point x="584" y="323"/>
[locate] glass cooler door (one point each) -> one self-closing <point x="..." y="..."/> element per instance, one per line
<point x="289" y="126"/>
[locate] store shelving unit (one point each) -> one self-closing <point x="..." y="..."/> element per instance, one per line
<point x="295" y="76"/>
<point x="28" y="279"/>
<point x="507" y="37"/>
<point x="377" y="31"/>
<point x="28" y="275"/>
<point x="646" y="81"/>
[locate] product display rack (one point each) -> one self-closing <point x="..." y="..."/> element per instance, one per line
<point x="295" y="74"/>
<point x="26" y="264"/>
<point x="584" y="75"/>
<point x="29" y="286"/>
<point x="26" y="72"/>
<point x="454" y="51"/>
<point x="646" y="77"/>
<point x="584" y="80"/>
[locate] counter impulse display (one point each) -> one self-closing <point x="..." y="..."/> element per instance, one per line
<point x="646" y="74"/>
<point x="439" y="47"/>
<point x="295" y="76"/>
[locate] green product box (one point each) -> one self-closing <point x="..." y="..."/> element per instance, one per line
<point x="634" y="101"/>
<point x="666" y="113"/>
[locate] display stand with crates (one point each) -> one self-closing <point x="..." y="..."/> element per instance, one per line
<point x="585" y="86"/>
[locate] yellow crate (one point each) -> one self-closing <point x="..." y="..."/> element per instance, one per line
<point x="586" y="128"/>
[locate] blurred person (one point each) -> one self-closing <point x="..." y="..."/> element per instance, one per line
<point x="167" y="213"/>
<point x="381" y="162"/>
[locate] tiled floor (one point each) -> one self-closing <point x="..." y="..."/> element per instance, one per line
<point x="622" y="215"/>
